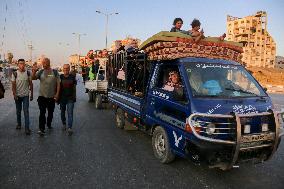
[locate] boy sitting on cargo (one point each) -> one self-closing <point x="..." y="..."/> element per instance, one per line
<point x="177" y="24"/>
<point x="195" y="33"/>
<point x="198" y="35"/>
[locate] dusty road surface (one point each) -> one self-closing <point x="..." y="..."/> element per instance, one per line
<point x="100" y="156"/>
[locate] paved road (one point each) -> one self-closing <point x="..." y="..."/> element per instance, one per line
<point x="100" y="156"/>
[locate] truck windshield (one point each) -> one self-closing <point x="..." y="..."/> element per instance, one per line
<point x="220" y="80"/>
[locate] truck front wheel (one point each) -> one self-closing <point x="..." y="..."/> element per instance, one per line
<point x="161" y="146"/>
<point x="119" y="118"/>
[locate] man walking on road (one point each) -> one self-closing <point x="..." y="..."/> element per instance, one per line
<point x="21" y="85"/>
<point x="48" y="93"/>
<point x="67" y="96"/>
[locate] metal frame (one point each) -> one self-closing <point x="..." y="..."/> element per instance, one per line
<point x="206" y="138"/>
<point x="123" y="59"/>
<point x="277" y="129"/>
<point x="237" y="142"/>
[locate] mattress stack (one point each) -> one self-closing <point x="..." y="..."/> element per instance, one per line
<point x="172" y="45"/>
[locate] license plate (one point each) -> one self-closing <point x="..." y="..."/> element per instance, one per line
<point x="255" y="138"/>
<point x="251" y="144"/>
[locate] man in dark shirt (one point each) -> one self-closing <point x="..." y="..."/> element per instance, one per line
<point x="67" y="97"/>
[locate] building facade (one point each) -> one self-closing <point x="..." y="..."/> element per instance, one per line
<point x="258" y="45"/>
<point x="279" y="62"/>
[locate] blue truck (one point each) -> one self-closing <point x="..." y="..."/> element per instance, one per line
<point x="208" y="110"/>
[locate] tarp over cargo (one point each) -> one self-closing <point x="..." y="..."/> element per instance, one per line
<point x="170" y="45"/>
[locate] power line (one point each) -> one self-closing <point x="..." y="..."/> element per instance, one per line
<point x="23" y="20"/>
<point x="4" y="30"/>
<point x="18" y="28"/>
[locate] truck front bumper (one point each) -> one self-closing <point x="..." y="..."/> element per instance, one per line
<point x="256" y="147"/>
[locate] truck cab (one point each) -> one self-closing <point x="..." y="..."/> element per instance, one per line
<point x="209" y="110"/>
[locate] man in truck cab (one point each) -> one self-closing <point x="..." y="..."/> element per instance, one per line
<point x="196" y="83"/>
<point x="174" y="85"/>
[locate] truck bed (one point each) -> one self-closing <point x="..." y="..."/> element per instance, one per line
<point x="96" y="85"/>
<point x="126" y="101"/>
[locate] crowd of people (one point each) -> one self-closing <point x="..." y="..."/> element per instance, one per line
<point x="91" y="64"/>
<point x="54" y="88"/>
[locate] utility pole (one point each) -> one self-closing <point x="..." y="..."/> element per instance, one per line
<point x="79" y="42"/>
<point x="31" y="48"/>
<point x="63" y="45"/>
<point x="107" y="18"/>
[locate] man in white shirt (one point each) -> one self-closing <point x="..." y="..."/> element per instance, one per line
<point x="22" y="86"/>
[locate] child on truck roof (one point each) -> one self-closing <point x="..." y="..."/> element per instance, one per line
<point x="198" y="35"/>
<point x="195" y="33"/>
<point x="177" y="24"/>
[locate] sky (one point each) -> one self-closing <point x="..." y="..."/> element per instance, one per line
<point x="49" y="24"/>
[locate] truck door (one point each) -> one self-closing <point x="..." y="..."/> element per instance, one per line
<point x="167" y="102"/>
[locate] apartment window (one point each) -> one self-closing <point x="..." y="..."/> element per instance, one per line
<point x="253" y="30"/>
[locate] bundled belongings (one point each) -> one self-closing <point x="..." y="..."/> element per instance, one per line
<point x="127" y="44"/>
<point x="172" y="45"/>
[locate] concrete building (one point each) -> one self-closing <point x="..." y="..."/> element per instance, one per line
<point x="259" y="46"/>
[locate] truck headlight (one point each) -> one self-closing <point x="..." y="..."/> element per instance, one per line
<point x="264" y="127"/>
<point x="210" y="128"/>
